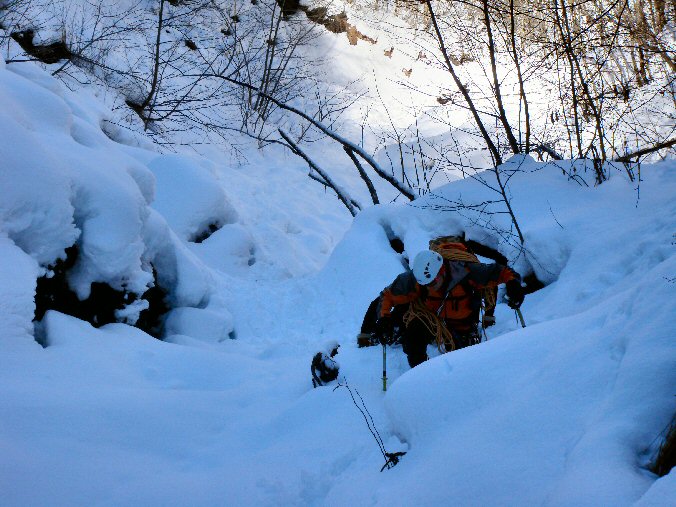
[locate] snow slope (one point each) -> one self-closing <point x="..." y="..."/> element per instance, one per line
<point x="564" y="412"/>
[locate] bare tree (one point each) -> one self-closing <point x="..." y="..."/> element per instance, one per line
<point x="497" y="157"/>
<point x="488" y="24"/>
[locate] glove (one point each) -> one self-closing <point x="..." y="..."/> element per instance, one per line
<point x="488" y="321"/>
<point x="515" y="294"/>
<point x="384" y="328"/>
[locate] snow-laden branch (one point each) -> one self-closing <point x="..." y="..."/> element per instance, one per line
<point x="362" y="173"/>
<point x="400" y="186"/>
<point x="544" y="148"/>
<point x="349" y="203"/>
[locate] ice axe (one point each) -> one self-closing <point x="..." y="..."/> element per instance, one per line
<point x="384" y="339"/>
<point x="517" y="309"/>
<point x="520" y="315"/>
<point x="384" y="366"/>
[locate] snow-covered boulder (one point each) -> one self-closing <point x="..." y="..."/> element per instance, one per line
<point x="189" y="197"/>
<point x="75" y="210"/>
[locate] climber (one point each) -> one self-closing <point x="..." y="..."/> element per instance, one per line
<point x="443" y="297"/>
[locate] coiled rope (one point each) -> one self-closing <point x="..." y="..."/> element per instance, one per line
<point x="435" y="326"/>
<point x="452" y="253"/>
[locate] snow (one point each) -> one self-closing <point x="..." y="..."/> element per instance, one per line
<point x="18" y="273"/>
<point x="564" y="412"/>
<point x="188" y="196"/>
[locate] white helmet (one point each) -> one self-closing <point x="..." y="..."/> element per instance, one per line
<point x="426" y="266"/>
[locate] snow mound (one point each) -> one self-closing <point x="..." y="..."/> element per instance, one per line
<point x="563" y="412"/>
<point x="66" y="184"/>
<point x="189" y="197"/>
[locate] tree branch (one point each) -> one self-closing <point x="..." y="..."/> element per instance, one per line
<point x="400" y="186"/>
<point x="496" y="82"/>
<point x="463" y="89"/>
<point x="364" y="176"/>
<point x="344" y="198"/>
<point x="646" y="151"/>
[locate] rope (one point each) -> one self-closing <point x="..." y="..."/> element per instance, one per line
<point x="433" y="324"/>
<point x="489" y="297"/>
<point x="391" y="458"/>
<point x="454" y="254"/>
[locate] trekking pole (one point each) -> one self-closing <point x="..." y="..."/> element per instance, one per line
<point x="384" y="367"/>
<point x="483" y="329"/>
<point x="520" y="315"/>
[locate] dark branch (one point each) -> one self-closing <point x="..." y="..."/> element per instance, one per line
<point x="364" y="176"/>
<point x="344" y="198"/>
<point x="400" y="186"/>
<point x="645" y="151"/>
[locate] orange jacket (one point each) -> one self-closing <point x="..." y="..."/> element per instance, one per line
<point x="463" y="279"/>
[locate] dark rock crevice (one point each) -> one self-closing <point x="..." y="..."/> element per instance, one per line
<point x="46" y="53"/>
<point x="205" y="232"/>
<point x="104" y="302"/>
